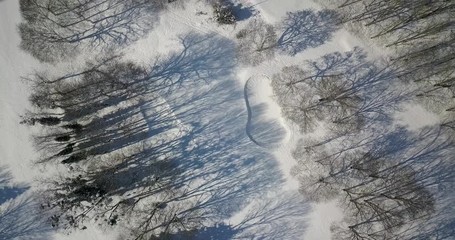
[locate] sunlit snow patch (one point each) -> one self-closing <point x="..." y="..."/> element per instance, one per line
<point x="265" y="127"/>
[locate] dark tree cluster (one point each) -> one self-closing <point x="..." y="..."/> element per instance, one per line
<point x="223" y="12"/>
<point x="116" y="137"/>
<point x="77" y="101"/>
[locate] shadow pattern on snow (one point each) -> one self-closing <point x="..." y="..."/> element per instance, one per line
<point x="307" y="29"/>
<point x="266" y="133"/>
<point x="173" y="144"/>
<point x="19" y="215"/>
<point x="278" y="218"/>
<point x="7" y="191"/>
<point x="389" y="181"/>
<point x="242" y="12"/>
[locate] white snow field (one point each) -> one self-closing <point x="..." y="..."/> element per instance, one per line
<point x="237" y="146"/>
<point x="264" y="127"/>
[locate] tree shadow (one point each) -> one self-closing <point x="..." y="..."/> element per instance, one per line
<point x="441" y="225"/>
<point x="266" y="133"/>
<point x="178" y="145"/>
<point x="429" y="152"/>
<point x="216" y="146"/>
<point x="7" y="190"/>
<point x="434" y="165"/>
<point x="278" y="218"/>
<point x="241" y="12"/>
<point x="20" y="217"/>
<point x="198" y="61"/>
<point x="213" y="157"/>
<point x="307" y="29"/>
<point x="131" y="120"/>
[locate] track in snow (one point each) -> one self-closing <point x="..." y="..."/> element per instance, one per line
<point x="263" y="128"/>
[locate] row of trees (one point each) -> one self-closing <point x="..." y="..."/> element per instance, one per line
<point x="386" y="179"/>
<point x="386" y="184"/>
<point x="54" y="30"/>
<point x="422" y="36"/>
<point x="125" y="159"/>
<point x="93" y="121"/>
<point x="129" y="161"/>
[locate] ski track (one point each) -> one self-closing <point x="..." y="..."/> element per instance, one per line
<point x="250" y="115"/>
<point x="250" y="83"/>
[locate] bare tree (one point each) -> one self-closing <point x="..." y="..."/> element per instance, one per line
<point x="343" y="89"/>
<point x="57" y="29"/>
<point x="384" y="185"/>
<point x="295" y="95"/>
<point x="257" y="42"/>
<point x="116" y="174"/>
<point x="421" y="33"/>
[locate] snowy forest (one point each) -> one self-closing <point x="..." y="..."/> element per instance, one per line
<point x="227" y="119"/>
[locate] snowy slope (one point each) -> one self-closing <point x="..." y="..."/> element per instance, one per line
<point x="15" y="146"/>
<point x="261" y="115"/>
<point x="239" y="147"/>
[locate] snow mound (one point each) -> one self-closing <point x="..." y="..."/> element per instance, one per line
<point x="265" y="126"/>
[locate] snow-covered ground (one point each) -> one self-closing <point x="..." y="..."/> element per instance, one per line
<point x="239" y="144"/>
<point x="15" y="145"/>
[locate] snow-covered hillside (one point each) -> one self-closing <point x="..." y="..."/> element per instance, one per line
<point x="219" y="121"/>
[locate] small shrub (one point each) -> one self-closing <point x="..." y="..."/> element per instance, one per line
<point x="223" y="13"/>
<point x="88" y="192"/>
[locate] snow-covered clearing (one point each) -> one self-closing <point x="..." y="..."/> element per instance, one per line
<point x="265" y="127"/>
<point x="235" y="147"/>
